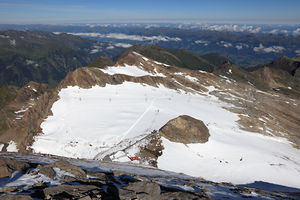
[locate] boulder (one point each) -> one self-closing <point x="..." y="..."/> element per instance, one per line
<point x="72" y="192"/>
<point x="182" y="196"/>
<point x="47" y="171"/>
<point x="8" y="166"/>
<point x="185" y="129"/>
<point x="99" y="175"/>
<point x="68" y="178"/>
<point x="126" y="194"/>
<point x="8" y="189"/>
<point x="37" y="186"/>
<point x="142" y="190"/>
<point x="5" y="171"/>
<point x="68" y="167"/>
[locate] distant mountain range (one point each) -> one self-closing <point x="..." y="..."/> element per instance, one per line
<point x="274" y="29"/>
<point x="244" y="45"/>
<point x="45" y="57"/>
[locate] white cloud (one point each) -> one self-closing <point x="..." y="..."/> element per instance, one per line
<point x="94" y="51"/>
<point x="123" y="45"/>
<point x="233" y="27"/>
<point x="121" y="36"/>
<point x="110" y="47"/>
<point x="29" y="62"/>
<point x="256" y="30"/>
<point x="271" y="49"/>
<point x="12" y="42"/>
<point x="286" y="32"/>
<point x="204" y="42"/>
<point x="274" y="31"/>
<point x="278" y="31"/>
<point x="97" y="48"/>
<point x="241" y="46"/>
<point x="296" y="32"/>
<point x="297" y="52"/>
<point x="151" y="26"/>
<point x="4" y="36"/>
<point x="224" y="44"/>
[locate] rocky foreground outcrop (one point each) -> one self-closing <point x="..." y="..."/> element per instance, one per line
<point x="63" y="180"/>
<point x="8" y="166"/>
<point x="49" y="177"/>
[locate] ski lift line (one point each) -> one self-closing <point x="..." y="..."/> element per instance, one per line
<point x="139" y="119"/>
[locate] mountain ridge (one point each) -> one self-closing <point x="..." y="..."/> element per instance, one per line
<point x="178" y="57"/>
<point x="116" y="112"/>
<point x="44" y="57"/>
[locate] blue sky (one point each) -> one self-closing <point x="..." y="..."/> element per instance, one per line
<point x="96" y="11"/>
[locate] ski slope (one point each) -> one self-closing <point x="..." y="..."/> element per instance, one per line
<point x="86" y="122"/>
<point x="130" y="70"/>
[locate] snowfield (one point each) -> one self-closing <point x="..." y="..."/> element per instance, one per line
<point x="130" y="70"/>
<point x="86" y="122"/>
<point x="12" y="147"/>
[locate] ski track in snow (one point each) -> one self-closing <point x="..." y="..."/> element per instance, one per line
<point x="88" y="121"/>
<point x="139" y="119"/>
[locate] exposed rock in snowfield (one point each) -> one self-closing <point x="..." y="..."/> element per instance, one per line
<point x="185" y="129"/>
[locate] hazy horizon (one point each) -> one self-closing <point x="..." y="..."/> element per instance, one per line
<point x="92" y="11"/>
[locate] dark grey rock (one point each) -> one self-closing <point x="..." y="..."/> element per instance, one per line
<point x="66" y="178"/>
<point x="126" y="194"/>
<point x="71" y="191"/>
<point x="47" y="171"/>
<point x="8" y="189"/>
<point x="101" y="176"/>
<point x="182" y="196"/>
<point x="15" y="197"/>
<point x="8" y="166"/>
<point x="68" y="167"/>
<point x="151" y="189"/>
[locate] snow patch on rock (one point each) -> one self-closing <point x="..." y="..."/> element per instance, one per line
<point x="130" y="70"/>
<point x="12" y="147"/>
